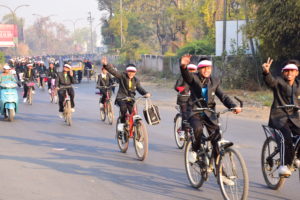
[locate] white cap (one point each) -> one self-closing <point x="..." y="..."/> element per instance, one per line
<point x="68" y="66"/>
<point x="131" y="69"/>
<point x="6" y="67"/>
<point x="42" y="62"/>
<point x="290" y="66"/>
<point x="204" y="63"/>
<point x="192" y="66"/>
<point x="30" y="64"/>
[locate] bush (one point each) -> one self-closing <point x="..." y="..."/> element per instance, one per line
<point x="198" y="47"/>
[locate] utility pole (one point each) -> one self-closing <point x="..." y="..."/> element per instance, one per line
<point x="121" y="22"/>
<point x="90" y="20"/>
<point x="224" y="27"/>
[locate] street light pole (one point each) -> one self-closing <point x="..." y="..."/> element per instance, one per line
<point x="121" y="22"/>
<point x="13" y="12"/>
<point x="90" y="20"/>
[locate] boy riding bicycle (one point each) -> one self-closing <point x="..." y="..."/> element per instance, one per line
<point x="203" y="89"/>
<point x="104" y="80"/>
<point x="286" y="91"/>
<point x="128" y="85"/>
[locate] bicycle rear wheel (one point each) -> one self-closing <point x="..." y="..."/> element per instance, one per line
<point x="140" y="141"/>
<point x="110" y="113"/>
<point x="122" y="138"/>
<point x="177" y="130"/>
<point x="233" y="175"/>
<point x="193" y="170"/>
<point x="270" y="162"/>
<point x="29" y="96"/>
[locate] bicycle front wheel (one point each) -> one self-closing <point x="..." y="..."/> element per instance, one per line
<point x="233" y="175"/>
<point x="122" y="138"/>
<point x="102" y="113"/>
<point x="270" y="162"/>
<point x="140" y="141"/>
<point x="193" y="169"/>
<point x="177" y="131"/>
<point x="110" y="113"/>
<point x="68" y="113"/>
<point x="29" y="96"/>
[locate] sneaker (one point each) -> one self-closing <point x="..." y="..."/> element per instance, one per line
<point x="49" y="90"/>
<point x="60" y="115"/>
<point x="120" y="127"/>
<point x="72" y="109"/>
<point x="227" y="181"/>
<point x="192" y="156"/>
<point x="284" y="171"/>
<point x="139" y="145"/>
<point x="33" y="92"/>
<point x="24" y="100"/>
<point x="181" y="135"/>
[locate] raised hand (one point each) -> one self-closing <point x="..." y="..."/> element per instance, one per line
<point x="104" y="60"/>
<point x="266" y="66"/>
<point x="185" y="60"/>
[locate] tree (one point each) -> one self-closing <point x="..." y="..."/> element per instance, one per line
<point x="277" y="27"/>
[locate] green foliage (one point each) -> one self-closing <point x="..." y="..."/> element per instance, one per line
<point x="2" y="58"/>
<point x="277" y="26"/>
<point x="198" y="47"/>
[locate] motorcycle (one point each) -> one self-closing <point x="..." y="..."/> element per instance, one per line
<point x="8" y="100"/>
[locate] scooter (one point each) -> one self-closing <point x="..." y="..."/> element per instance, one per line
<point x="8" y="100"/>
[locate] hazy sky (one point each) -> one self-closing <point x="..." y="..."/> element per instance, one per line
<point x="63" y="9"/>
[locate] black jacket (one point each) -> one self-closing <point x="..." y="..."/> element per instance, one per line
<point x="284" y="94"/>
<point x="29" y="77"/>
<point x="124" y="90"/>
<point x="51" y="73"/>
<point x="182" y="97"/>
<point x="42" y="69"/>
<point x="107" y="82"/>
<point x="61" y="81"/>
<point x="196" y="83"/>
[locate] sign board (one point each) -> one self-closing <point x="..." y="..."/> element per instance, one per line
<point x="8" y="35"/>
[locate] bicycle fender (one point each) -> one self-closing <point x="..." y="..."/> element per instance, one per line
<point x="10" y="106"/>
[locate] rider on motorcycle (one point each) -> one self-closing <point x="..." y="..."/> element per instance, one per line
<point x="128" y="85"/>
<point x="104" y="79"/>
<point x="286" y="91"/>
<point x="65" y="79"/>
<point x="6" y="75"/>
<point x="203" y="89"/>
<point x="183" y="90"/>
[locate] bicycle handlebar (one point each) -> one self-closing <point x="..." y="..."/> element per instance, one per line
<point x="288" y="106"/>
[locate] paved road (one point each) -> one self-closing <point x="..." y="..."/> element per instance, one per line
<point x="43" y="159"/>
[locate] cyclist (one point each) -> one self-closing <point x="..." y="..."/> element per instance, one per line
<point x="104" y="79"/>
<point x="29" y="76"/>
<point x="286" y="91"/>
<point x="203" y="89"/>
<point x="42" y="72"/>
<point x="51" y="74"/>
<point x="183" y="90"/>
<point x="128" y="85"/>
<point x="65" y="79"/>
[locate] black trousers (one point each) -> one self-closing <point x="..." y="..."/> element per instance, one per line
<point x="184" y="113"/>
<point x="104" y="95"/>
<point x="124" y="106"/>
<point x="198" y="122"/>
<point x="287" y="153"/>
<point x="61" y="97"/>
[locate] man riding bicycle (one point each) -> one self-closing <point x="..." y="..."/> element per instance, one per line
<point x="29" y="76"/>
<point x="183" y="90"/>
<point x="104" y="79"/>
<point x="128" y="85"/>
<point x="203" y="89"/>
<point x="63" y="82"/>
<point x="286" y="91"/>
<point x="51" y="74"/>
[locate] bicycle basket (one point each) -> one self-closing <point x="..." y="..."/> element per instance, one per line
<point x="151" y="113"/>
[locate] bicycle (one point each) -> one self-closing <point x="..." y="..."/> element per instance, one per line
<point x="107" y="109"/>
<point x="134" y="128"/>
<point x="88" y="74"/>
<point x="225" y="162"/>
<point x="53" y="94"/>
<point x="67" y="113"/>
<point x="43" y="81"/>
<point x="30" y="86"/>
<point x="271" y="154"/>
